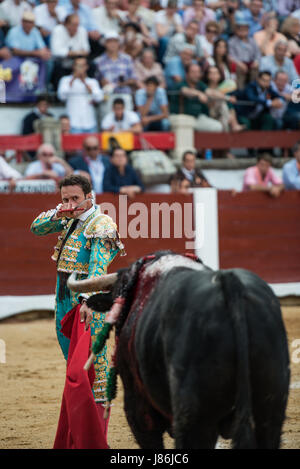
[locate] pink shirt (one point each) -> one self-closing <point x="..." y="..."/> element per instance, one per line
<point x="189" y="14"/>
<point x="253" y="177"/>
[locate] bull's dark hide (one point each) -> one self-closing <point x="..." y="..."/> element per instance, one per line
<point x="200" y="354"/>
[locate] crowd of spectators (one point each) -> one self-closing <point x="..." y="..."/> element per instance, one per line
<point x="158" y="55"/>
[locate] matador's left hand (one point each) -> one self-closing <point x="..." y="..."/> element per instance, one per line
<point x="86" y="315"/>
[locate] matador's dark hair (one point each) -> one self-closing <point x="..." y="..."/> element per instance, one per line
<point x="76" y="180"/>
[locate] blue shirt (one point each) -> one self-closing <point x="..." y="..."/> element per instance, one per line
<point x="254" y="24"/>
<point x="291" y="175"/>
<point x="174" y="67"/>
<point x="268" y="63"/>
<point x="113" y="180"/>
<point x="85" y="15"/>
<point x="160" y="99"/>
<point x="18" y="39"/>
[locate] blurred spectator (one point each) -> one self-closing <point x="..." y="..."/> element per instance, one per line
<point x="167" y="23"/>
<point x="254" y="15"/>
<point x="188" y="169"/>
<point x="119" y="119"/>
<point x="179" y="184"/>
<point x="261" y="177"/>
<point x="207" y="41"/>
<point x="68" y="40"/>
<point x="114" y="69"/>
<point x="132" y="15"/>
<point x="47" y="16"/>
<point x="279" y="61"/>
<point x="200" y="13"/>
<point x="108" y="18"/>
<point x="121" y="177"/>
<point x="291" y="29"/>
<point x="267" y="37"/>
<point x="65" y="124"/>
<point x="25" y="40"/>
<point x="220" y="104"/>
<point x="288" y="116"/>
<point x="4" y="51"/>
<point x="132" y="40"/>
<point x="220" y="58"/>
<point x="39" y="112"/>
<point x="226" y="18"/>
<point x="189" y="36"/>
<point x="285" y="7"/>
<point x="11" y="11"/>
<point x="48" y="165"/>
<point x="176" y="66"/>
<point x="291" y="170"/>
<point x="152" y="105"/>
<point x="193" y="101"/>
<point x="9" y="174"/>
<point x="86" y="18"/>
<point x="146" y="67"/>
<point x="91" y="163"/>
<point x="262" y="98"/>
<point x="81" y="93"/>
<point x="244" y="52"/>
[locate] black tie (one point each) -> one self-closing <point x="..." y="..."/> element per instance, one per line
<point x="63" y="276"/>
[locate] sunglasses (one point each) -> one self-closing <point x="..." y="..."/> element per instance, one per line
<point x="47" y="154"/>
<point x="91" y="148"/>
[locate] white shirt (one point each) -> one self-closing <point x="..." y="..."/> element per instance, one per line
<point x="44" y="20"/>
<point x="84" y="216"/>
<point x="130" y="118"/>
<point x="97" y="173"/>
<point x="12" y="13"/>
<point x="79" y="105"/>
<point x="104" y="23"/>
<point x="207" y="47"/>
<point x="162" y="18"/>
<point x="36" y="167"/>
<point x="61" y="43"/>
<point x="6" y="171"/>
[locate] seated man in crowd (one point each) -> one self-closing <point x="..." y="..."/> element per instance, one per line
<point x="193" y="101"/>
<point x="189" y="36"/>
<point x="175" y="67"/>
<point x="288" y="116"/>
<point x="146" y="67"/>
<point x="91" y="163"/>
<point x="261" y="177"/>
<point x="86" y="17"/>
<point x="262" y="99"/>
<point x="48" y="15"/>
<point x="188" y="169"/>
<point x="114" y="69"/>
<point x="254" y="15"/>
<point x="68" y="40"/>
<point x="81" y="93"/>
<point x="9" y="174"/>
<point x="291" y="170"/>
<point x="119" y="119"/>
<point x="279" y="61"/>
<point x="48" y="165"/>
<point x="39" y="112"/>
<point x="25" y="40"/>
<point x="11" y="11"/>
<point x="107" y="17"/>
<point x="120" y="177"/>
<point x="152" y="105"/>
<point x="244" y="52"/>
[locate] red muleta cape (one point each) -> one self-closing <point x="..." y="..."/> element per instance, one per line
<point x="80" y="425"/>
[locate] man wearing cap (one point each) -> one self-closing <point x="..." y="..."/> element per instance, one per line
<point x="243" y="51"/>
<point x="115" y="68"/>
<point x="25" y="40"/>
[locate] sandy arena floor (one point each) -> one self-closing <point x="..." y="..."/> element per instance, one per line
<point x="32" y="382"/>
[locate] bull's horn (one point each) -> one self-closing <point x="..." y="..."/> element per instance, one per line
<point x="105" y="282"/>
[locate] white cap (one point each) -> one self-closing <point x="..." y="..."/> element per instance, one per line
<point x="111" y="35"/>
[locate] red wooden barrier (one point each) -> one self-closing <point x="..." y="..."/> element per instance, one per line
<point x="159" y="140"/>
<point x="260" y="233"/>
<point x="247" y="139"/>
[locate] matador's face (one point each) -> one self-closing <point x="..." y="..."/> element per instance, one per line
<point x="74" y="196"/>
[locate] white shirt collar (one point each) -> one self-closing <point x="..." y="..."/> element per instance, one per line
<point x="86" y="214"/>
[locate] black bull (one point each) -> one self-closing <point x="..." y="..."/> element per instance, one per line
<point x="201" y="353"/>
